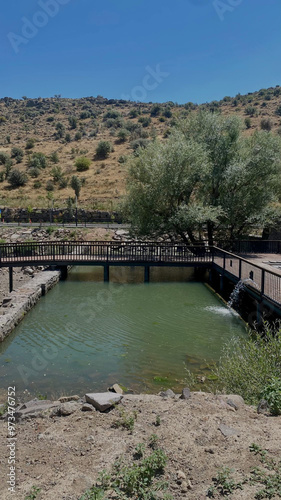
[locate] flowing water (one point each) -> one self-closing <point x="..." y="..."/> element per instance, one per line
<point x="85" y="334"/>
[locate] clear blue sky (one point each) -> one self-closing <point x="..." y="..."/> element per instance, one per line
<point x="205" y="49"/>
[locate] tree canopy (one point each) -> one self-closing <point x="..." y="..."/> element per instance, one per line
<point x="206" y="176"/>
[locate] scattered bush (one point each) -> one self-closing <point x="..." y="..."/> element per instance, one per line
<point x="50" y="185"/>
<point x="266" y="124"/>
<point x="250" y="110"/>
<point x="83" y="163"/>
<point x="78" y="136"/>
<point x="17" y="154"/>
<point x="34" y="172"/>
<point x="139" y="143"/>
<point x="76" y="185"/>
<point x="37" y="185"/>
<point x="278" y="111"/>
<point x="63" y="183"/>
<point x="5" y="159"/>
<point x="57" y="173"/>
<point x="103" y="149"/>
<point x="54" y="157"/>
<point x="133" y="113"/>
<point x="155" y="110"/>
<point x="38" y="160"/>
<point x="17" y="178"/>
<point x="30" y="143"/>
<point x="248" y="122"/>
<point x="145" y="121"/>
<point x="68" y="137"/>
<point x="60" y="130"/>
<point x="272" y="394"/>
<point x="122" y="135"/>
<point x="72" y="120"/>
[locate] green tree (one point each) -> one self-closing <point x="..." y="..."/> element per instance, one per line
<point x="17" y="178"/>
<point x="206" y="175"/>
<point x="76" y="184"/>
<point x="103" y="149"/>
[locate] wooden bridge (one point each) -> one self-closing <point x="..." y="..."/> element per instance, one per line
<point x="262" y="281"/>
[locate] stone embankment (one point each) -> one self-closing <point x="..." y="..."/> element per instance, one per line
<point x="19" y="302"/>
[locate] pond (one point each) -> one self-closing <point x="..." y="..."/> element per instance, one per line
<point x="85" y="335"/>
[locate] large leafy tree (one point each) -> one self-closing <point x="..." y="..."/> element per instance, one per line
<point x="206" y="175"/>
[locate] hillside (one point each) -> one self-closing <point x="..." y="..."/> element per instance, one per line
<point x="62" y="130"/>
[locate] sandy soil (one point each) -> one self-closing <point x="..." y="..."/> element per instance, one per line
<point x="63" y="455"/>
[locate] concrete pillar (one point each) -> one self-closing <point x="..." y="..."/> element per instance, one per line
<point x="11" y="284"/>
<point x="106" y="273"/>
<point x="63" y="271"/>
<point x="146" y="274"/>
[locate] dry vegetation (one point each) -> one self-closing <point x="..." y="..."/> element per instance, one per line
<point x="74" y="127"/>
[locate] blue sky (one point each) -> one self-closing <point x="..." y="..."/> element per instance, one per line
<point x="157" y="50"/>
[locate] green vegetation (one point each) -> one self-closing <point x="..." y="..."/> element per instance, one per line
<point x="267" y="478"/>
<point x="272" y="394"/>
<point x="30" y="143"/>
<point x="252" y="368"/>
<point x="17" y="154"/>
<point x="82" y="164"/>
<point x="206" y="174"/>
<point x="126" y="421"/>
<point x="76" y="185"/>
<point x="103" y="149"/>
<point x="34" y="492"/>
<point x="140" y="480"/>
<point x="17" y="178"/>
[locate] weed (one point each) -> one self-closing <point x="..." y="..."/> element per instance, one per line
<point x="157" y="421"/>
<point x="42" y="397"/>
<point x="127" y="421"/>
<point x="33" y="493"/>
<point x="4" y="409"/>
<point x="139" y="451"/>
<point x="139" y="481"/>
<point x="224" y="483"/>
<point x="153" y="441"/>
<point x="272" y="394"/>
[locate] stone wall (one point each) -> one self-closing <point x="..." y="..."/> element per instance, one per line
<point x="57" y="215"/>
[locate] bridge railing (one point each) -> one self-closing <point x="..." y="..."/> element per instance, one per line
<point x="266" y="282"/>
<point x="257" y="246"/>
<point x="40" y="252"/>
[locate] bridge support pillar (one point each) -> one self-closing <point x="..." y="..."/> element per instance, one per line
<point x="221" y="283"/>
<point x="11" y="280"/>
<point x="106" y="273"/>
<point x="146" y="274"/>
<point x="63" y="273"/>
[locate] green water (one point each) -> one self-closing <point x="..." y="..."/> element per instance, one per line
<point x="85" y="335"/>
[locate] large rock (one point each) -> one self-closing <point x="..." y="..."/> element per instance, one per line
<point x="167" y="394"/>
<point x="34" y="408"/>
<point x="116" y="388"/>
<point x="227" y="431"/>
<point x="103" y="400"/>
<point x="238" y="401"/>
<point x="185" y="393"/>
<point x="66" y="409"/>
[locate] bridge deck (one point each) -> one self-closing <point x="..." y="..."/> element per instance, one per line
<point x="262" y="279"/>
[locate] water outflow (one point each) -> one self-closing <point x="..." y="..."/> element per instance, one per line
<point x="235" y="295"/>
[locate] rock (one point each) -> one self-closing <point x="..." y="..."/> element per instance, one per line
<point x="34" y="408"/>
<point x="116" y="388"/>
<point x="227" y="431"/>
<point x="181" y="474"/>
<point x="87" y="407"/>
<point x="66" y="409"/>
<point x="103" y="400"/>
<point x="232" y="404"/>
<point x="167" y="394"/>
<point x="185" y="393"/>
<point x="263" y="407"/>
<point x="28" y="271"/>
<point x="66" y="399"/>
<point x="234" y="398"/>
<point x="184" y="487"/>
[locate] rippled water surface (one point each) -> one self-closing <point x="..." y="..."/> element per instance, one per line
<point x="86" y="334"/>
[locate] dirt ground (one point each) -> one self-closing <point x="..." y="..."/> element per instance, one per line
<point x="63" y="455"/>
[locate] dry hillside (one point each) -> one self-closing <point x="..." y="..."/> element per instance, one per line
<point x="73" y="128"/>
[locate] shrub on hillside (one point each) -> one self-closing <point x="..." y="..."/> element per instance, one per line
<point x="38" y="160"/>
<point x="17" y="178"/>
<point x="278" y="111"/>
<point x="82" y="164"/>
<point x="30" y="143"/>
<point x="17" y="154"/>
<point x="103" y="149"/>
<point x="266" y="124"/>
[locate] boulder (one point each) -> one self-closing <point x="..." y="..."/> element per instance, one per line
<point x="34" y="408"/>
<point x="227" y="431"/>
<point x="185" y="393"/>
<point x="116" y="388"/>
<point x="87" y="407"/>
<point x="167" y="394"/>
<point x="66" y="409"/>
<point x="103" y="400"/>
